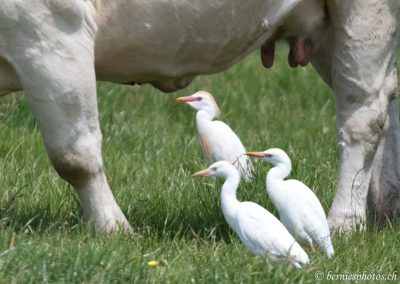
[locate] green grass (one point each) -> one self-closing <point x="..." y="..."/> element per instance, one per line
<point x="150" y="149"/>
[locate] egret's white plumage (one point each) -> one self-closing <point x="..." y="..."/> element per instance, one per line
<point x="299" y="209"/>
<point x="260" y="231"/>
<point x="217" y="139"/>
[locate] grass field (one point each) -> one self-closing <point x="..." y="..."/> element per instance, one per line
<point x="150" y="150"/>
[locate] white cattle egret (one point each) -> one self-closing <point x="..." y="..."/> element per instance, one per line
<point x="299" y="209"/>
<point x="218" y="141"/>
<point x="260" y="231"/>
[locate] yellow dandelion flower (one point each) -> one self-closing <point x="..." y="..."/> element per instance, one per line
<point x="153" y="263"/>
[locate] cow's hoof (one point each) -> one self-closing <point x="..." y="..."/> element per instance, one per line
<point x="113" y="227"/>
<point x="118" y="226"/>
<point x="110" y="222"/>
<point x="345" y="223"/>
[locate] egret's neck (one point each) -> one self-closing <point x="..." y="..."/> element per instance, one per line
<point x="275" y="180"/>
<point x="280" y="171"/>
<point x="229" y="202"/>
<point x="206" y="114"/>
<point x="203" y="121"/>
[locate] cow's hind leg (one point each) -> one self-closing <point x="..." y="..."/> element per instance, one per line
<point x="363" y="59"/>
<point x="384" y="191"/>
<point x="56" y="70"/>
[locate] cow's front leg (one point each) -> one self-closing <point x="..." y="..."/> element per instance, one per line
<point x="66" y="112"/>
<point x="65" y="108"/>
<point x="72" y="138"/>
<point x="56" y="70"/>
<point x="364" y="55"/>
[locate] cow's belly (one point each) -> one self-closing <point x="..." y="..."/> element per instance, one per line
<point x="171" y="41"/>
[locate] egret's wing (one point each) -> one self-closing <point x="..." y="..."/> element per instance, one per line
<point x="262" y="232"/>
<point x="313" y="215"/>
<point x="227" y="146"/>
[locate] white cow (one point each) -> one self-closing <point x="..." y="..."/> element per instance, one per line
<point x="55" y="49"/>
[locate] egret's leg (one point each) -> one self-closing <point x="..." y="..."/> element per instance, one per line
<point x="363" y="57"/>
<point x="312" y="246"/>
<point x="55" y="66"/>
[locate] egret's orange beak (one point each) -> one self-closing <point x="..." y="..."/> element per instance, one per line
<point x="188" y="99"/>
<point x="256" y="154"/>
<point x="202" y="173"/>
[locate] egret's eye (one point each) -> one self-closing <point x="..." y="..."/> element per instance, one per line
<point x="268" y="155"/>
<point x="197" y="99"/>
